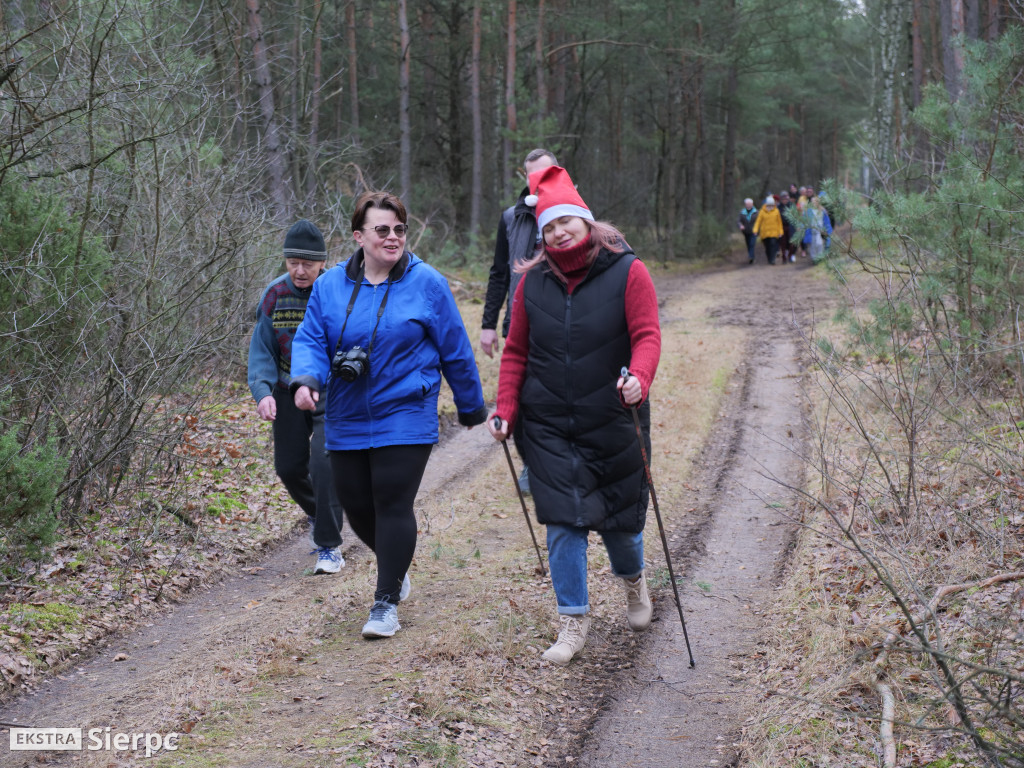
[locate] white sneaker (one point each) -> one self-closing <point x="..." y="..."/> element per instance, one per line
<point x="571" y="637"/>
<point x="383" y="620"/>
<point x="328" y="560"/>
<point x="406" y="588"/>
<point x="638" y="603"/>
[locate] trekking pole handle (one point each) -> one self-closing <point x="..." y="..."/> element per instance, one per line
<point x="497" y="422"/>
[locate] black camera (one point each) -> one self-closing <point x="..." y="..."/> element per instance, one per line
<point x="349" y="366"/>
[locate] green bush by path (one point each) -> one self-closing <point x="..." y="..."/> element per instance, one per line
<point x="28" y="488"/>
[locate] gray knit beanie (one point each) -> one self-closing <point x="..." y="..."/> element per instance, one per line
<point x="304" y="241"/>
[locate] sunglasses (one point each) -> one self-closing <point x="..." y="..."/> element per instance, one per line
<point x="384" y="230"/>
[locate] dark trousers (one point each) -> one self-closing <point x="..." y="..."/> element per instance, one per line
<point x="786" y="247"/>
<point x="378" y="487"/>
<point x="301" y="463"/>
<point x="771" y="248"/>
<point x="751" y="241"/>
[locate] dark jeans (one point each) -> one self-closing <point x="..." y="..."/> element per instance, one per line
<point x="771" y="248"/>
<point x="751" y="241"/>
<point x="301" y="463"/>
<point x="378" y="487"/>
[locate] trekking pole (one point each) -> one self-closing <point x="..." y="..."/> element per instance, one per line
<point x="522" y="501"/>
<point x="657" y="513"/>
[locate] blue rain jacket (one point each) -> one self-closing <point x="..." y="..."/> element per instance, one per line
<point x="420" y="337"/>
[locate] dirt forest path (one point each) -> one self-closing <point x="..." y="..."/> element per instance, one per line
<point x="268" y="669"/>
<point x="667" y="714"/>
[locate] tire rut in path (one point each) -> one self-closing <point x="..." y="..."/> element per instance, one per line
<point x="667" y="714"/>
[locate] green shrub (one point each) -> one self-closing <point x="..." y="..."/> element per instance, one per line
<point x="29" y="478"/>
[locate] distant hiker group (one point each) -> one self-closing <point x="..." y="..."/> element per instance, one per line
<point x="348" y="362"/>
<point x="794" y="220"/>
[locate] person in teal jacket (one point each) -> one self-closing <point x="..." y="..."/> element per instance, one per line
<point x="379" y="332"/>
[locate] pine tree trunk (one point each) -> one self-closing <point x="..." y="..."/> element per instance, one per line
<point x="542" y="65"/>
<point x="952" y="21"/>
<point x="353" y="73"/>
<point x="478" y="132"/>
<point x="917" y="56"/>
<point x="276" y="161"/>
<point x="728" y="201"/>
<point x="992" y="21"/>
<point x="314" y="107"/>
<point x="935" y="49"/>
<point x="892" y="28"/>
<point x="510" y="92"/>
<point x="972" y="21"/>
<point x="404" y="130"/>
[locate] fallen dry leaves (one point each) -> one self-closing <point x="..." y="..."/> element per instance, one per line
<point x="123" y="561"/>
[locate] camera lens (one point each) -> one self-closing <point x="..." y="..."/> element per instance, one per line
<point x="350" y="370"/>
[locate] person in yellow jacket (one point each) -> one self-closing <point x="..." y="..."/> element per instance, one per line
<point x="768" y="227"/>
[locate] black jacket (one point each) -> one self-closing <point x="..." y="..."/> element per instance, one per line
<point x="516" y="242"/>
<point x="746" y="220"/>
<point x="580" y="443"/>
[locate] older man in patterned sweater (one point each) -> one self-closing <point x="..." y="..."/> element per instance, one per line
<point x="299" y="457"/>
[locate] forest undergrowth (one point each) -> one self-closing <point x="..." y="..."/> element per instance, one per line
<point x="900" y="632"/>
<point x="215" y="507"/>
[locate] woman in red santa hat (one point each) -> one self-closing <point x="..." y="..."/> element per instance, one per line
<point x="584" y="308"/>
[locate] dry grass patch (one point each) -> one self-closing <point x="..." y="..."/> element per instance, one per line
<point x="123" y="561"/>
<point x="904" y="607"/>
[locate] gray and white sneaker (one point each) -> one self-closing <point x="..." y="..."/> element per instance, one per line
<point x="406" y="588"/>
<point x="383" y="620"/>
<point x="328" y="560"/>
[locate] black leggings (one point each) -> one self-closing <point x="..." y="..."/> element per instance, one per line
<point x="377" y="488"/>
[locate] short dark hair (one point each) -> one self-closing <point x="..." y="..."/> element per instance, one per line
<point x="537" y="154"/>
<point x="384" y="200"/>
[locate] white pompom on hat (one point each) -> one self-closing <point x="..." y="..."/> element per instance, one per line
<point x="554" y="195"/>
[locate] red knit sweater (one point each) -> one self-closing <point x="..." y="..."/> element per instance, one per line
<point x="641" y="321"/>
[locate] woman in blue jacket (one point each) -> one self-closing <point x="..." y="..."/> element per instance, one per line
<point x="379" y="332"/>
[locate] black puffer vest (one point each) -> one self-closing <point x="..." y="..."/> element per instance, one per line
<point x="580" y="442"/>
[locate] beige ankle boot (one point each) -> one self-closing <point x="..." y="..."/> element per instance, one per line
<point x="572" y="634"/>
<point x="638" y="603"/>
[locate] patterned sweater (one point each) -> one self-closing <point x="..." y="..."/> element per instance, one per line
<point x="280" y="311"/>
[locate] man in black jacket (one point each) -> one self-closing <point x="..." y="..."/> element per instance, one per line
<point x="516" y="242"/>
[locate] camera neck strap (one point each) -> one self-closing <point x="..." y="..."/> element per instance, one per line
<point x="352" y="303"/>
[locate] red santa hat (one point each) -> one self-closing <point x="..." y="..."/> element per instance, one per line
<point x="554" y="195"/>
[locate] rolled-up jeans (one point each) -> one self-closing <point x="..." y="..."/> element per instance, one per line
<point x="567" y="557"/>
